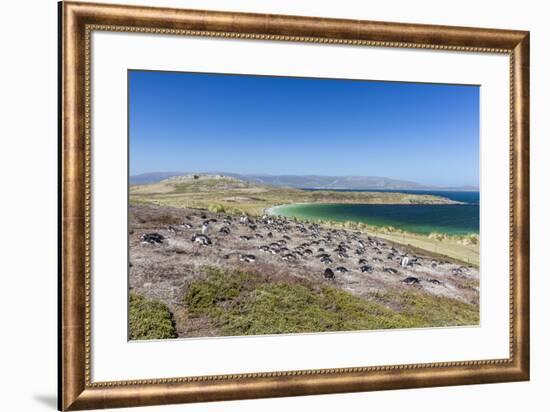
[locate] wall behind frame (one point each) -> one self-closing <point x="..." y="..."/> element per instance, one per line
<point x="28" y="167"/>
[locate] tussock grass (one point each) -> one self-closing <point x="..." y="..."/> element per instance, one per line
<point x="150" y="319"/>
<point x="242" y="303"/>
<point x="216" y="208"/>
<point x="466" y="239"/>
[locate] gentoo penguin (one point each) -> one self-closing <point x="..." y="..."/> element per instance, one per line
<point x="247" y="258"/>
<point x="411" y="280"/>
<point x="201" y="239"/>
<point x="328" y="274"/>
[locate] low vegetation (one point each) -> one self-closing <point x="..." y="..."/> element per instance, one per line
<point x="422" y="309"/>
<point x="150" y="319"/>
<point x="464" y="249"/>
<point x="216" y="208"/>
<point x="243" y="303"/>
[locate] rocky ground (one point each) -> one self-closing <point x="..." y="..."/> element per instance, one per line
<point x="170" y="247"/>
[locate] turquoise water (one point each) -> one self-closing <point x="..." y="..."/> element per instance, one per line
<point x="449" y="219"/>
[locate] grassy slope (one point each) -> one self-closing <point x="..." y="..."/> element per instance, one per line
<point x="240" y="303"/>
<point x="452" y="247"/>
<point x="235" y="196"/>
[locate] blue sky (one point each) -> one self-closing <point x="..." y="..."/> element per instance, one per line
<point x="193" y="122"/>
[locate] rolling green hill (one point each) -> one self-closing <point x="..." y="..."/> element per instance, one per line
<point x="232" y="195"/>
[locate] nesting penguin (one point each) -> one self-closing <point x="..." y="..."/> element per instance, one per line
<point x="201" y="239"/>
<point x="152" y="238"/>
<point x="328" y="274"/>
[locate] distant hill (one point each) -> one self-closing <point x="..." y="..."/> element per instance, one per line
<point x="308" y="181"/>
<point x="154" y="177"/>
<point x="222" y="193"/>
<point x="333" y="182"/>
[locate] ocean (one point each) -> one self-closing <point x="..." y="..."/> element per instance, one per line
<point x="460" y="219"/>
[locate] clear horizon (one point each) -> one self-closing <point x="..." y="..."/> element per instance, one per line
<point x="214" y="172"/>
<point x="208" y="123"/>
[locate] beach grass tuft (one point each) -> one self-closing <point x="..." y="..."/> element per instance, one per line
<point x="216" y="208"/>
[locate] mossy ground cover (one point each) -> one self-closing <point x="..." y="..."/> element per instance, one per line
<point x="150" y="319"/>
<point x="424" y="310"/>
<point x="242" y="303"/>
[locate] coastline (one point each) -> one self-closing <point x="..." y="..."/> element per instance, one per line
<point x="463" y="247"/>
<point x="227" y="195"/>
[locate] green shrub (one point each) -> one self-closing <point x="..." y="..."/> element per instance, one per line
<point x="437" y="310"/>
<point x="241" y="303"/>
<point x="150" y="319"/>
<point x="216" y="208"/>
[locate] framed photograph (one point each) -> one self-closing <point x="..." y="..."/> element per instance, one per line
<point x="264" y="205"/>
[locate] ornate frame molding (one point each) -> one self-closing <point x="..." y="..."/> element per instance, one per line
<point x="79" y="20"/>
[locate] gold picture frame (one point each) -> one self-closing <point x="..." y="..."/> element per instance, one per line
<point x="79" y="20"/>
